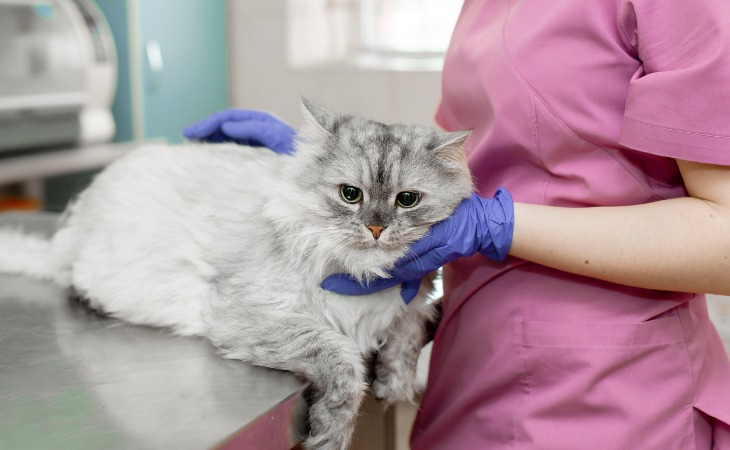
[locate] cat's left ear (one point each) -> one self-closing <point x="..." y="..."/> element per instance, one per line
<point x="450" y="147"/>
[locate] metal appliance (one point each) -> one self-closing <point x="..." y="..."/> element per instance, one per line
<point x="57" y="74"/>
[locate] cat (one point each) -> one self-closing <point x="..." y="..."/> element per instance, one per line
<point x="231" y="243"/>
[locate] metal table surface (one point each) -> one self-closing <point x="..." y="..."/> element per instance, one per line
<point x="70" y="379"/>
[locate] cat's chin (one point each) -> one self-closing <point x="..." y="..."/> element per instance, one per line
<point x="372" y="262"/>
<point x="379" y="246"/>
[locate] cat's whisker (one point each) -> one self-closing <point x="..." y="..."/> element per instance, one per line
<point x="415" y="258"/>
<point x="335" y="245"/>
<point x="279" y="244"/>
<point x="312" y="231"/>
<point x="335" y="248"/>
<point x="309" y="248"/>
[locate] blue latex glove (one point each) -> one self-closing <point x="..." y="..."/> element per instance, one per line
<point x="477" y="225"/>
<point x="246" y="127"/>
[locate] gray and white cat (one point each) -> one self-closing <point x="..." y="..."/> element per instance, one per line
<point x="231" y="243"/>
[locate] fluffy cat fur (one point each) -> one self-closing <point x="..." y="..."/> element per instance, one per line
<point x="231" y="243"/>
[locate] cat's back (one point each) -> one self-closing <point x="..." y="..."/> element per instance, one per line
<point x="158" y="181"/>
<point x="155" y="227"/>
<point x="189" y="168"/>
<point x="163" y="195"/>
<point x="175" y="200"/>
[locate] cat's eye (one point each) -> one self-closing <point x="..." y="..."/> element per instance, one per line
<point x="407" y="199"/>
<point x="350" y="194"/>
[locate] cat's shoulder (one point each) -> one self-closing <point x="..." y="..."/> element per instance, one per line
<point x="198" y="154"/>
<point x="197" y="150"/>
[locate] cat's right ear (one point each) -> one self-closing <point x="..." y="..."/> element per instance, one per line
<point x="323" y="117"/>
<point x="317" y="125"/>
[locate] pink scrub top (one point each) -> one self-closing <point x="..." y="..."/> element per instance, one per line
<point x="580" y="103"/>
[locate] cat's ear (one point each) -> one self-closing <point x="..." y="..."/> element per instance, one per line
<point x="450" y="147"/>
<point x="316" y="126"/>
<point x="317" y="117"/>
<point x="452" y="140"/>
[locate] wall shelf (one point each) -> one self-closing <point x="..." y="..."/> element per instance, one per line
<point x="33" y="166"/>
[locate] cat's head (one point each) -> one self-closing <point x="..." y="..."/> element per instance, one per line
<point x="368" y="190"/>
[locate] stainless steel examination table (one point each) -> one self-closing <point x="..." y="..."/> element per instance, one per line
<point x="70" y="379"/>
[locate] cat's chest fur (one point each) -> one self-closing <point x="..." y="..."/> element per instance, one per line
<point x="365" y="318"/>
<point x="280" y="282"/>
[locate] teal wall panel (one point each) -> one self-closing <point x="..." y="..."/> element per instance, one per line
<point x="193" y="82"/>
<point x="192" y="37"/>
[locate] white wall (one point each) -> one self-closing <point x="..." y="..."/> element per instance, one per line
<point x="719" y="307"/>
<point x="261" y="77"/>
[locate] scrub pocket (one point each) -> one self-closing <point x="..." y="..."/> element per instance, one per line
<point x="606" y="386"/>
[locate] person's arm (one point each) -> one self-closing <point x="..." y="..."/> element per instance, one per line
<point x="680" y="244"/>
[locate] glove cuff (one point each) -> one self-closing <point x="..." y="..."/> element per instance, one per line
<point x="500" y="222"/>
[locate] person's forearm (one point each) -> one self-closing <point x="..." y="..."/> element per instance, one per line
<point x="677" y="245"/>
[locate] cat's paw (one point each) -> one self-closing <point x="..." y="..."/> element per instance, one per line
<point x="320" y="443"/>
<point x="395" y="384"/>
<point x="329" y="431"/>
<point x="332" y="414"/>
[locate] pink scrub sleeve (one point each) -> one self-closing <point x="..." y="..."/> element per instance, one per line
<point x="678" y="104"/>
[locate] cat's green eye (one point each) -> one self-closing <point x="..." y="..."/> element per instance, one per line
<point x="350" y="194"/>
<point x="407" y="199"/>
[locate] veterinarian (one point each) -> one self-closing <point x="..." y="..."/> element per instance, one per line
<point x="573" y="317"/>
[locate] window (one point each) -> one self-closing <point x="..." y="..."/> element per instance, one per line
<point x="378" y="34"/>
<point x="407" y="26"/>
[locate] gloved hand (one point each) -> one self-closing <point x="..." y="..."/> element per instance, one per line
<point x="246" y="127"/>
<point x="477" y="225"/>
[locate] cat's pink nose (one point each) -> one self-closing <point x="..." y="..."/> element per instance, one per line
<point x="376" y="230"/>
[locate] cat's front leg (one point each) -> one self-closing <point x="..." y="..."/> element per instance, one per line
<point x="329" y="361"/>
<point x="397" y="360"/>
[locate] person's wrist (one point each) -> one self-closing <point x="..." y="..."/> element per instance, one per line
<point x="497" y="225"/>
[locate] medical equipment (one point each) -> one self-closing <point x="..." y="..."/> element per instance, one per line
<point x="57" y="74"/>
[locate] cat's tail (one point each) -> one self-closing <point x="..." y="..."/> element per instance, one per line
<point x="26" y="254"/>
